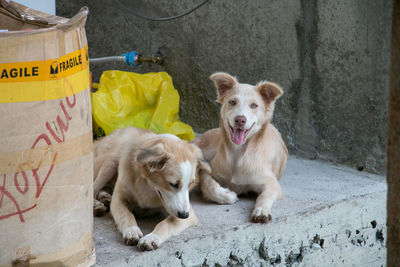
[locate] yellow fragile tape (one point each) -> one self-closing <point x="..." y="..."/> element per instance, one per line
<point x="44" y="80"/>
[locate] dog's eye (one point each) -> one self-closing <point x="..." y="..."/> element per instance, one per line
<point x="174" y="185"/>
<point x="232" y="102"/>
<point x="253" y="105"/>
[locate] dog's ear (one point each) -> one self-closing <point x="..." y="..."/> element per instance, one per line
<point x="152" y="159"/>
<point x="223" y="82"/>
<point x="269" y="91"/>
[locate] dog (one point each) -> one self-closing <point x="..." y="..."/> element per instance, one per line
<point x="247" y="153"/>
<point x="153" y="172"/>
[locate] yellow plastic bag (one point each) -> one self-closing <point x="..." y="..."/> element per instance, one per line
<point x="147" y="101"/>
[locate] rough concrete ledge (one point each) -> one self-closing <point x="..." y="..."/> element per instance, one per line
<point x="330" y="216"/>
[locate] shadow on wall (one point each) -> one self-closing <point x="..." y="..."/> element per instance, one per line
<point x="393" y="167"/>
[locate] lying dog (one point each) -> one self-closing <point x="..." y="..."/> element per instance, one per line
<point x="247" y="152"/>
<point x="153" y="171"/>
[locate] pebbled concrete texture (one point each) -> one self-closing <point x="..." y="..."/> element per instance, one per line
<point x="329" y="216"/>
<point x="330" y="57"/>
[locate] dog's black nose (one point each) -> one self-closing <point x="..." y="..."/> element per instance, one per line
<point x="240" y="121"/>
<point x="183" y="214"/>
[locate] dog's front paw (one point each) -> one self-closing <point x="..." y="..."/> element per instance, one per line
<point x="261" y="216"/>
<point x="131" y="235"/>
<point x="227" y="196"/>
<point x="150" y="242"/>
<point x="98" y="208"/>
<point x="104" y="198"/>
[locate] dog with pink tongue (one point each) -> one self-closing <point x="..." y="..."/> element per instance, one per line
<point x="247" y="153"/>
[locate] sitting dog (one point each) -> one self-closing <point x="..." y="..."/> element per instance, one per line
<point x="247" y="153"/>
<point x="153" y="171"/>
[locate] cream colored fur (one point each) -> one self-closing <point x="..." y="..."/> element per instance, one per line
<point x="154" y="171"/>
<point x="252" y="160"/>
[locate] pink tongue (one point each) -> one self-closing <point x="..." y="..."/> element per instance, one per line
<point x="238" y="136"/>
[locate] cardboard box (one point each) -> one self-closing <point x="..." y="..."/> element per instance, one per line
<point x="46" y="159"/>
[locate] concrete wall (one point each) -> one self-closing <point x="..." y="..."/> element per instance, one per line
<point x="393" y="167"/>
<point x="331" y="58"/>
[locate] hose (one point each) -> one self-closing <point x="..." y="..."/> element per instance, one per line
<point x="123" y="6"/>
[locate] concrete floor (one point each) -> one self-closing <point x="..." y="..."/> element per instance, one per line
<point x="329" y="216"/>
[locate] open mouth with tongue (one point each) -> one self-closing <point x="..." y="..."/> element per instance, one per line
<point x="238" y="135"/>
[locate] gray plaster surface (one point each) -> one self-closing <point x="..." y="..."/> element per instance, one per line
<point x="344" y="208"/>
<point x="330" y="57"/>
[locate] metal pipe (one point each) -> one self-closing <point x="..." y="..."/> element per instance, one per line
<point x="131" y="58"/>
<point x="107" y="59"/>
<point x="152" y="59"/>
